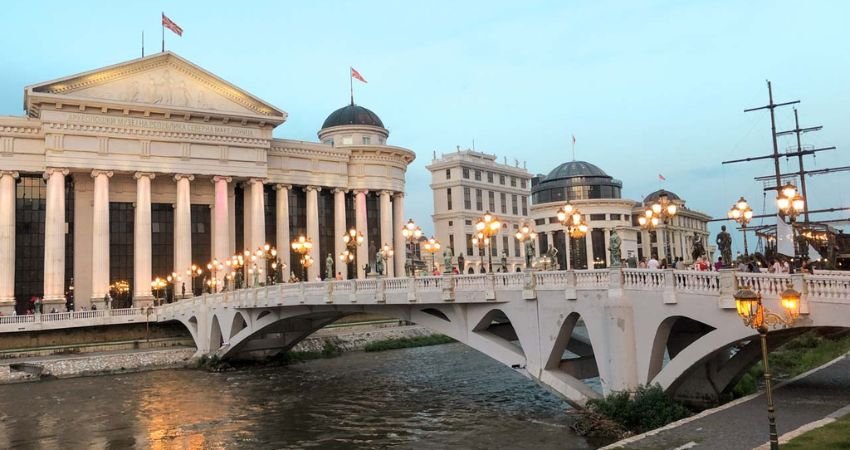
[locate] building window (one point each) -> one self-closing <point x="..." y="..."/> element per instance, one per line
<point x="449" y="198"/>
<point x="201" y="236"/>
<point x="367" y="140"/>
<point x="523" y="183"/>
<point x="448" y="174"/>
<point x="597" y="217"/>
<point x="162" y="241"/>
<point x="451" y="222"/>
<point x="328" y="142"/>
<point x="489" y="177"/>
<point x="30" y="203"/>
<point x="514" y="206"/>
<point x="513" y="181"/>
<point x="540" y="222"/>
<point x="468" y="245"/>
<point x="467" y="222"/>
<point x="524" y="205"/>
<point x="502" y="180"/>
<point x="121" y="240"/>
<point x="505" y="248"/>
<point x="504" y="206"/>
<point x="492" y="199"/>
<point x="614" y="216"/>
<point x="516" y="248"/>
<point x="477" y="175"/>
<point x="452" y="243"/>
<point x="626" y="217"/>
<point x="467" y="200"/>
<point x="466" y="172"/>
<point x="479" y="201"/>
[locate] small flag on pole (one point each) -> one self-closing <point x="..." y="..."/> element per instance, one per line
<point x="661" y="177"/>
<point x="356" y="75"/>
<point x="168" y="23"/>
<point x="574" y="139"/>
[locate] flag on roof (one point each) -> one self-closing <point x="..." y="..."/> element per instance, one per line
<point x="356" y="75"/>
<point x="168" y="23"/>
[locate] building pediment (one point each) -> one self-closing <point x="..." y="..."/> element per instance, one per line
<point x="162" y="81"/>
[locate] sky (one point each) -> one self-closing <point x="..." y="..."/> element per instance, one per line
<point x="646" y="87"/>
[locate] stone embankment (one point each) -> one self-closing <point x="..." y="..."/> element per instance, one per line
<point x="356" y="337"/>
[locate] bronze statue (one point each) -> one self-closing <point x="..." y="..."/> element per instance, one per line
<point x="724" y="244"/>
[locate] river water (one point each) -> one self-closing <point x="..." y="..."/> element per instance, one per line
<point x="440" y="397"/>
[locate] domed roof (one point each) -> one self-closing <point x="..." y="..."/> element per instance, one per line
<point x="575" y="169"/>
<point x="352" y="115"/>
<point x="653" y="197"/>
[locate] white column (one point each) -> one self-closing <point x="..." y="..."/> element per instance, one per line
<point x="183" y="228"/>
<point x="7" y="241"/>
<point x="142" y="295"/>
<point x="360" y="223"/>
<point x="313" y="231"/>
<point x="607" y="253"/>
<point x="258" y="215"/>
<point x="220" y="220"/>
<point x="569" y="248"/>
<point x="386" y="227"/>
<point x="282" y="229"/>
<point x="588" y="247"/>
<point x="398" y="238"/>
<point x="339" y="231"/>
<point x="100" y="235"/>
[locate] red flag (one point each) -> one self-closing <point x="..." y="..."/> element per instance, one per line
<point x="356" y="75"/>
<point x="661" y="177"/>
<point x="168" y="23"/>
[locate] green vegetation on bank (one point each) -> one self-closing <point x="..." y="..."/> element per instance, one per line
<point x="833" y="436"/>
<point x="418" y="341"/>
<point x="803" y="353"/>
<point x="329" y="350"/>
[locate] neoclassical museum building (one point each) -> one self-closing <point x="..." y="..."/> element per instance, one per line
<point x="141" y="169"/>
<point x="597" y="196"/>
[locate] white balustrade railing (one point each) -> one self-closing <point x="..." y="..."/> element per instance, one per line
<point x="315" y="286"/>
<point x="367" y="285"/>
<point x="592" y="279"/>
<point x="9" y="320"/>
<point x="510" y="280"/>
<point x="834" y="273"/>
<point x="555" y="278"/>
<point x="701" y="282"/>
<point x="470" y="282"/>
<point x="72" y="315"/>
<point x="766" y="284"/>
<point x="827" y="287"/>
<point x="429" y="283"/>
<point x="644" y="279"/>
<point x="346" y="286"/>
<point x="396" y="284"/>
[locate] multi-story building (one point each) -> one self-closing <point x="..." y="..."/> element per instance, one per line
<point x="467" y="184"/>
<point x="143" y="168"/>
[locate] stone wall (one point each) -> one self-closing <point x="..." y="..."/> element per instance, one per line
<point x="356" y="338"/>
<point x="90" y="335"/>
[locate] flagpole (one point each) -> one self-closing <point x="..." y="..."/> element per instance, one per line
<point x="574" y="148"/>
<point x="351" y="85"/>
<point x="163" y="32"/>
<point x="143" y="43"/>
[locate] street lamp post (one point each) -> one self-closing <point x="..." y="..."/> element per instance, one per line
<point x="192" y="272"/>
<point x="741" y="213"/>
<point x="411" y="233"/>
<point x="432" y="246"/>
<point x="756" y="316"/>
<point x="489" y="226"/>
<point x="661" y="211"/>
<point x="214" y="267"/>
<point x="157" y="285"/>
<point x="480" y="241"/>
<point x="386" y="253"/>
<point x="576" y="227"/>
<point x="302" y="246"/>
<point x="352" y="240"/>
<point x="526" y="236"/>
<point x="790" y="204"/>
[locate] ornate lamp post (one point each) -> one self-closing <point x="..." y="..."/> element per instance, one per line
<point x="661" y="211"/>
<point x="352" y="240"/>
<point x="526" y="236"/>
<point x="756" y="316"/>
<point x="214" y="267"/>
<point x="302" y="245"/>
<point x="489" y="226"/>
<point x="432" y="246"/>
<point x="576" y="227"/>
<point x="411" y="233"/>
<point x="192" y="272"/>
<point x="173" y="279"/>
<point x="158" y="284"/>
<point x="741" y="213"/>
<point x="386" y="253"/>
<point x="480" y="241"/>
<point x="790" y="204"/>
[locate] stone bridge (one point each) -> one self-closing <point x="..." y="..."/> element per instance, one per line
<point x="621" y="326"/>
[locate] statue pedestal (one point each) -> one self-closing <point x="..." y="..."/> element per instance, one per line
<point x="373" y="275"/>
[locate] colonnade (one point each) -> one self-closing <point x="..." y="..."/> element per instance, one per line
<point x="391" y="220"/>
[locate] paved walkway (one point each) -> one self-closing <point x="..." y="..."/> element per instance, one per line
<point x="743" y="426"/>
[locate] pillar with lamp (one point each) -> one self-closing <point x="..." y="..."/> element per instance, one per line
<point x="432" y="246"/>
<point x="352" y="239"/>
<point x="741" y="213"/>
<point x="302" y="246"/>
<point x="576" y="227"/>
<point x="755" y="315"/>
<point x="526" y="236"/>
<point x="488" y="226"/>
<point x="662" y="211"/>
<point x="411" y="233"/>
<point x="790" y="204"/>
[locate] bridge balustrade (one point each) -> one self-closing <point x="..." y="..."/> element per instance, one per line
<point x="697" y="282"/>
<point x="769" y="285"/>
<point x="644" y="279"/>
<point x="828" y="288"/>
<point x="592" y="279"/>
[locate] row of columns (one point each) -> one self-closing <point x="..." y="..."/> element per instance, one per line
<point x="391" y="212"/>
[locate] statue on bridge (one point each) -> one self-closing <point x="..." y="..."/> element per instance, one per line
<point x="724" y="244"/>
<point x="329" y="267"/>
<point x="447" y="260"/>
<point x="460" y="263"/>
<point x="504" y="261"/>
<point x="699" y="249"/>
<point x="614" y="248"/>
<point x="529" y="251"/>
<point x="379" y="263"/>
<point x="552" y="255"/>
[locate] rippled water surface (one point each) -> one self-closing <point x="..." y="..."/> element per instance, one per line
<point x="438" y="397"/>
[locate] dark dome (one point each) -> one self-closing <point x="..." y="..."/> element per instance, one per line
<point x="574" y="180"/>
<point x="653" y="197"/>
<point x="575" y="169"/>
<point x="352" y="115"/>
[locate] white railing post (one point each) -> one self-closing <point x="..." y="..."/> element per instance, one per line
<point x="529" y="287"/>
<point x="448" y="291"/>
<point x="669" y="294"/>
<point x="381" y="295"/>
<point x="799" y="285"/>
<point x="411" y="290"/>
<point x="330" y="292"/>
<point x="728" y="286"/>
<point x="490" y="288"/>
